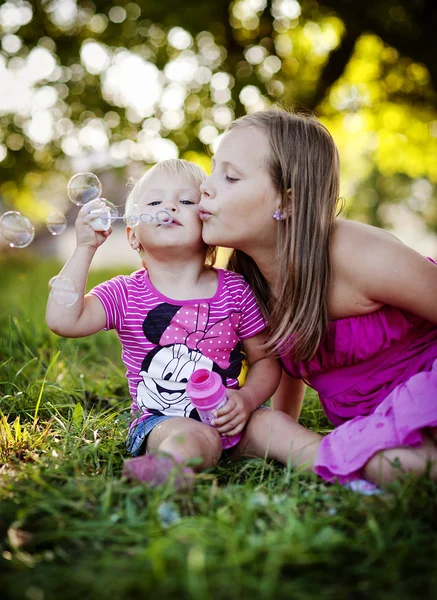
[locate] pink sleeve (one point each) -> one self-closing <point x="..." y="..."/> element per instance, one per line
<point x="113" y="295"/>
<point x="252" y="321"/>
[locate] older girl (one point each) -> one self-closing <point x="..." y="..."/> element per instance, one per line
<point x="352" y="310"/>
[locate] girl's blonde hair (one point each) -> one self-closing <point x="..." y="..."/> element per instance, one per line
<point x="173" y="167"/>
<point x="303" y="159"/>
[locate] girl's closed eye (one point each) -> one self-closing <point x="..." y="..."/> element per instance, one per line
<point x="231" y="179"/>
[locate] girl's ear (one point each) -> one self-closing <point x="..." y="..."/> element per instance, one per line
<point x="281" y="209"/>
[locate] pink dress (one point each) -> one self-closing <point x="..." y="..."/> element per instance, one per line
<point x="376" y="376"/>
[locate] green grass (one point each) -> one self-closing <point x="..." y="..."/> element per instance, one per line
<point x="70" y="528"/>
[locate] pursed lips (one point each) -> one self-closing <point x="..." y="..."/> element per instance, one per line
<point x="204" y="214"/>
<point x="174" y="222"/>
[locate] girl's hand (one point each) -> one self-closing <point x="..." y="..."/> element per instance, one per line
<point x="233" y="416"/>
<point x="85" y="235"/>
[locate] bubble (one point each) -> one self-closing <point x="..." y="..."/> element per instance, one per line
<point x="63" y="290"/>
<point x="164" y="217"/>
<point x="16" y="229"/>
<point x="131" y="220"/>
<point x="84" y="187"/>
<point x="146" y="218"/>
<point x="113" y="209"/>
<point x="56" y="223"/>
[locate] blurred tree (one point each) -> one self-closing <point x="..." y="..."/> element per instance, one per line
<point x="93" y="85"/>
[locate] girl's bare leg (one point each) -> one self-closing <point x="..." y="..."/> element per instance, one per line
<point x="389" y="465"/>
<point x="273" y="434"/>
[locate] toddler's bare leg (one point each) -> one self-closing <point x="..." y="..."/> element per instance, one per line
<point x="170" y="444"/>
<point x="273" y="434"/>
<point x="184" y="438"/>
<point x="389" y="465"/>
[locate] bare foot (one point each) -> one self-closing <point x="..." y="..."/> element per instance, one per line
<point x="158" y="469"/>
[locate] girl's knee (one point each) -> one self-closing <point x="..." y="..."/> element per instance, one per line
<point x="389" y="465"/>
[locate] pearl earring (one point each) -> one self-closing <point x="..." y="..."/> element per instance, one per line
<point x="278" y="215"/>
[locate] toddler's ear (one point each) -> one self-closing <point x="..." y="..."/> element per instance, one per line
<point x="130" y="234"/>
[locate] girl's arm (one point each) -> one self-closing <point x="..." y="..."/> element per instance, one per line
<point x="262" y="380"/>
<point x="384" y="270"/>
<point x="289" y="396"/>
<point x="87" y="315"/>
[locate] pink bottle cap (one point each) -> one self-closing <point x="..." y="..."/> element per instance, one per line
<point x="205" y="389"/>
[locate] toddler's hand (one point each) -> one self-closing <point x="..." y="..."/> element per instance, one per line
<point x="85" y="234"/>
<point x="233" y="416"/>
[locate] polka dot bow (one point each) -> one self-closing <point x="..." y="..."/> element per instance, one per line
<point x="189" y="327"/>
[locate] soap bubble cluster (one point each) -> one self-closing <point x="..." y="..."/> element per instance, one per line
<point x="18" y="230"/>
<point x="83" y="188"/>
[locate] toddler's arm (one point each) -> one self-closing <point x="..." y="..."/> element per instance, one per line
<point x="262" y="380"/>
<point x="87" y="315"/>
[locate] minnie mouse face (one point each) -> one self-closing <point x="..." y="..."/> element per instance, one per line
<point x="166" y="376"/>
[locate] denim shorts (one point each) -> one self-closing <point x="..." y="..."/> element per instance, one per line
<point x="137" y="436"/>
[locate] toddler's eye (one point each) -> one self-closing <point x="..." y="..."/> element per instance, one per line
<point x="186" y="201"/>
<point x="231" y="179"/>
<point x="154" y="203"/>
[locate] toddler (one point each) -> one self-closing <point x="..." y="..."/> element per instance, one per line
<point x="175" y="315"/>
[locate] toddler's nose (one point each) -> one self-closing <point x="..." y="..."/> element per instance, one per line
<point x="170" y="205"/>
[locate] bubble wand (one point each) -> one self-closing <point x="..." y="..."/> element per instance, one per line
<point x="103" y="218"/>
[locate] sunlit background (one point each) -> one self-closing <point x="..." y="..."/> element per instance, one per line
<point x="113" y="87"/>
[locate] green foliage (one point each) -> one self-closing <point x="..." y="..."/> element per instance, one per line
<point x="368" y="71"/>
<point x="70" y="527"/>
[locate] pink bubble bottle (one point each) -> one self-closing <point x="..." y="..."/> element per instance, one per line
<point x="207" y="394"/>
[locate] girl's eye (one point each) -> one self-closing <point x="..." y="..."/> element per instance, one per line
<point x="231" y="179"/>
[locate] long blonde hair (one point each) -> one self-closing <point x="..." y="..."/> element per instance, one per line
<point x="304" y="159"/>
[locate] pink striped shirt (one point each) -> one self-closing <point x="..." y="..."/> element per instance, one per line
<point x="164" y="340"/>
